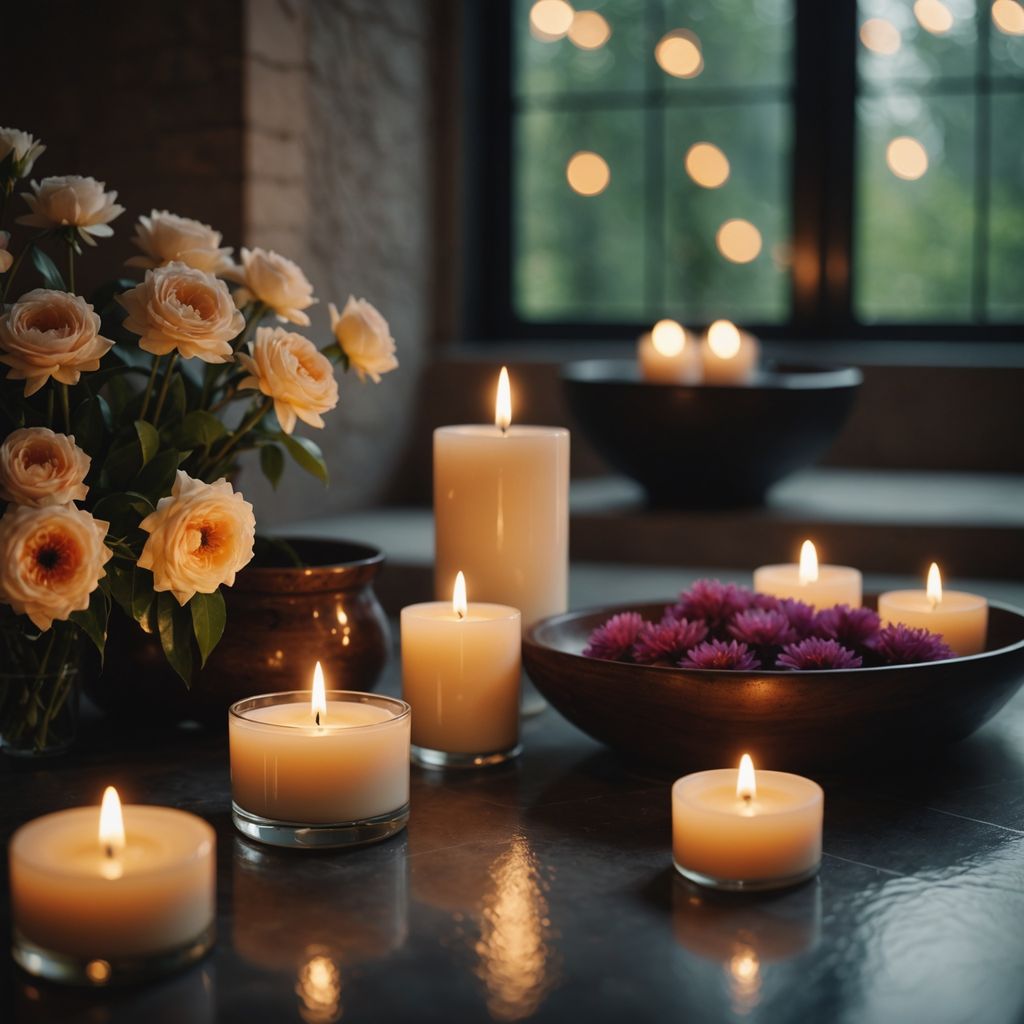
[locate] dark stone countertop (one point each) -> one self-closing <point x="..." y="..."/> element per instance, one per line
<point x="545" y="892"/>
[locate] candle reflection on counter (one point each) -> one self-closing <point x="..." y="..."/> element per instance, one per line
<point x="319" y="988"/>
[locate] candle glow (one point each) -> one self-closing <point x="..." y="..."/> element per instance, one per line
<point x="724" y="339"/>
<point x="318" y="702"/>
<point x="459" y="603"/>
<point x="503" y="402"/>
<point x="746" y="780"/>
<point x="934" y="586"/>
<point x="668" y="338"/>
<point x="808" y="563"/>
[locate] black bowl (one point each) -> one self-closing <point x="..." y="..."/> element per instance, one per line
<point x="685" y="718"/>
<point x="706" y="445"/>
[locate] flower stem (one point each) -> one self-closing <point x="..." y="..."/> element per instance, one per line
<point x="149" y="387"/>
<point x="65" y="405"/>
<point x="71" y="266"/>
<point x="240" y="431"/>
<point x="15" y="268"/>
<point x="163" y="390"/>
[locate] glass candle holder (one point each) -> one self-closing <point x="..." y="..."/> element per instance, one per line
<point x="312" y="780"/>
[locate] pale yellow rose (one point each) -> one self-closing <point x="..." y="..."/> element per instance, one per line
<point x="72" y="201"/>
<point x="275" y="281"/>
<point x="26" y="149"/>
<point x="6" y="259"/>
<point x="50" y="334"/>
<point x="52" y="560"/>
<point x="178" y="308"/>
<point x="39" y="467"/>
<point x="288" y="368"/>
<point x="167" y="238"/>
<point x="364" y="336"/>
<point x="199" y="537"/>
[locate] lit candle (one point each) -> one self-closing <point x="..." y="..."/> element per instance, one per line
<point x="729" y="355"/>
<point x="814" y="584"/>
<point x="460" y="675"/>
<point x="746" y="830"/>
<point x="501" y="511"/>
<point x="961" y="619"/>
<point x="113" y="897"/>
<point x="320" y="769"/>
<point x="667" y="355"/>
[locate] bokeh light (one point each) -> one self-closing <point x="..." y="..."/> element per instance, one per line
<point x="724" y="339"/>
<point x="1008" y="17"/>
<point x="907" y="158"/>
<point x="738" y="240"/>
<point x="880" y="36"/>
<point x="551" y="19"/>
<point x="587" y="173"/>
<point x="678" y="53"/>
<point x="668" y="337"/>
<point x="589" y="30"/>
<point x="933" y="16"/>
<point x="707" y="165"/>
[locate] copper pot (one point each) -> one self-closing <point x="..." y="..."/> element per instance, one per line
<point x="281" y="621"/>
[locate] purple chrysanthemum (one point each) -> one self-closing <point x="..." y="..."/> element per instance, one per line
<point x="757" y="627"/>
<point x="902" y="645"/>
<point x="852" y="627"/>
<point x="815" y="653"/>
<point x="767" y="602"/>
<point x="712" y="601"/>
<point x="667" y="641"/>
<point x="614" y="640"/>
<point x="802" y="617"/>
<point x="721" y="655"/>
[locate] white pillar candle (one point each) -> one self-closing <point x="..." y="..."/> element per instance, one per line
<point x="820" y="585"/>
<point x="738" y="830"/>
<point x="327" y="769"/>
<point x="501" y="512"/>
<point x="98" y="898"/>
<point x="961" y="619"/>
<point x="460" y="675"/>
<point x="729" y="355"/>
<point x="667" y="355"/>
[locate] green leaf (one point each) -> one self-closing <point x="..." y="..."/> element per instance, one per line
<point x="199" y="429"/>
<point x="93" y="621"/>
<point x="142" y="598"/>
<point x="175" y="628"/>
<point x="90" y="423"/>
<point x="306" y="454"/>
<point x="120" y="582"/>
<point x="48" y="269"/>
<point x="156" y="479"/>
<point x="175" y="402"/>
<point x="208" y="618"/>
<point x="149" y="439"/>
<point x="336" y="354"/>
<point x="120" y="511"/>
<point x="272" y="463"/>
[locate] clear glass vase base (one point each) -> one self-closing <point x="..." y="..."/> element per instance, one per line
<point x="332" y="836"/>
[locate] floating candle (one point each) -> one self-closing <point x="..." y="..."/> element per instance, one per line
<point x="961" y="619"/>
<point x="729" y="355"/>
<point x="667" y="355"/>
<point x="818" y="585"/>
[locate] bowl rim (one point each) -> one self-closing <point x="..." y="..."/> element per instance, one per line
<point x="530" y="640"/>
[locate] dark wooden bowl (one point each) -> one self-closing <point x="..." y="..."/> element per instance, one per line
<point x="709" y="446"/>
<point x="684" y="718"/>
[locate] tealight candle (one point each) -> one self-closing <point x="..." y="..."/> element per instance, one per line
<point x="112" y="897"/>
<point x="819" y="585"/>
<point x="319" y="770"/>
<point x="746" y="830"/>
<point x="667" y="356"/>
<point x="460" y="674"/>
<point x="729" y="355"/>
<point x="960" y="618"/>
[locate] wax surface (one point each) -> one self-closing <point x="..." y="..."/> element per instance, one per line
<point x="66" y="899"/>
<point x="836" y="584"/>
<point x="501" y="516"/>
<point x="461" y="677"/>
<point x="681" y="368"/>
<point x="960" y="618"/>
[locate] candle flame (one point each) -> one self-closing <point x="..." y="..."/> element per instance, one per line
<point x="808" y="564"/>
<point x="111" y="823"/>
<point x="459" y="605"/>
<point x="318" y="704"/>
<point x="668" y="338"/>
<point x="503" y="402"/>
<point x="746" y="780"/>
<point x="934" y="588"/>
<point x="724" y="339"/>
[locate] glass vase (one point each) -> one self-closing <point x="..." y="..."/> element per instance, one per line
<point x="39" y="710"/>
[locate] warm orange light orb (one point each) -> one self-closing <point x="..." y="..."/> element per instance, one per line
<point x="907" y="158"/>
<point x="880" y="36"/>
<point x="587" y="173"/>
<point x="550" y="19"/>
<point x="707" y="165"/>
<point x="738" y="241"/>
<point x="678" y="54"/>
<point x="589" y="30"/>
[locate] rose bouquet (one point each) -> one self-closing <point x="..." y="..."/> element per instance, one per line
<point x="122" y="419"/>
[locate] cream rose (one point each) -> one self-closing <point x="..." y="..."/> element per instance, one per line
<point x="72" y="201"/>
<point x="50" y="334"/>
<point x="167" y="238"/>
<point x="199" y="537"/>
<point x="25" y="147"/>
<point x="178" y="308"/>
<point x="6" y="259"/>
<point x="53" y="560"/>
<point x="289" y="369"/>
<point x="364" y="336"/>
<point x="275" y="281"/>
<point x="39" y="467"/>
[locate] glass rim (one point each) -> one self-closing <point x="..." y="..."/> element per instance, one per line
<point x="401" y="708"/>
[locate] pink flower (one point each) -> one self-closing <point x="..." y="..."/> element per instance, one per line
<point x="614" y="640"/>
<point x="714" y="602"/>
<point x="902" y="645"/>
<point x="664" y="643"/>
<point x="760" y="628"/>
<point x="815" y="653"/>
<point x="852" y="627"/>
<point x="720" y="655"/>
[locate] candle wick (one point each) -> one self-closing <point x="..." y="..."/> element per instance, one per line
<point x="504" y="431"/>
<point x="109" y="851"/>
<point x="318" y="718"/>
<point x="747" y="797"/>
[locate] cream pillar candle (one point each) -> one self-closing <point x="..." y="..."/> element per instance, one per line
<point x="314" y="773"/>
<point x="729" y="355"/>
<point x="460" y="675"/>
<point x="741" y="830"/>
<point x="820" y="585"/>
<point x="501" y="512"/>
<point x="667" y="355"/>
<point x="102" y="898"/>
<point x="961" y="619"/>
